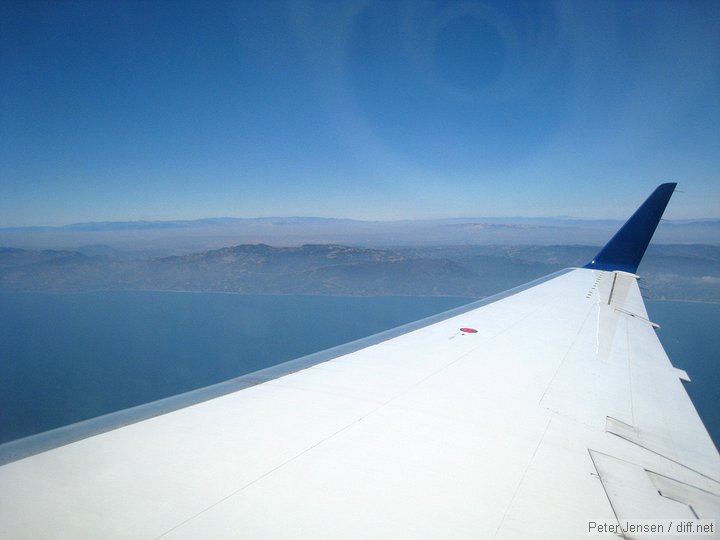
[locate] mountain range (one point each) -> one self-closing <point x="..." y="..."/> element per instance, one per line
<point x="686" y="272"/>
<point x="157" y="238"/>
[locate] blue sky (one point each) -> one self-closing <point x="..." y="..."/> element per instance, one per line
<point x="370" y="110"/>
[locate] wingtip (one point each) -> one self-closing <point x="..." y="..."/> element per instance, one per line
<point x="625" y="250"/>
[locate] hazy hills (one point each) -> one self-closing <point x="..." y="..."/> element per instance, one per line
<point x="157" y="238"/>
<point x="248" y="269"/>
<point x="471" y="257"/>
<point x="689" y="272"/>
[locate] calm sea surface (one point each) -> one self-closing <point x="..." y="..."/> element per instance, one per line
<point x="690" y="335"/>
<point x="65" y="358"/>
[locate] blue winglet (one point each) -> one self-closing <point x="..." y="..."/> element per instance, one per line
<point x="625" y="250"/>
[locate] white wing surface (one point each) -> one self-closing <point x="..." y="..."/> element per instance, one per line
<point x="526" y="416"/>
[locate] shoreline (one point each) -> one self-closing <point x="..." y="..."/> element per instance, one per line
<point x="235" y="293"/>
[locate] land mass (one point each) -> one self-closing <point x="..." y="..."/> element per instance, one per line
<point x="159" y="238"/>
<point x="669" y="271"/>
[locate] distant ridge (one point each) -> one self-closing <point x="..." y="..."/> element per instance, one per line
<point x="288" y="220"/>
<point x="687" y="272"/>
<point x="173" y="224"/>
<point x="184" y="236"/>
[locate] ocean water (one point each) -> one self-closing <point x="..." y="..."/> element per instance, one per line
<point x="65" y="358"/>
<point x="689" y="334"/>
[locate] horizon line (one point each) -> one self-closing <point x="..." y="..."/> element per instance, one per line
<point x="320" y="218"/>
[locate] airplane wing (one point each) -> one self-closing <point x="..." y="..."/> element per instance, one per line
<point x="532" y="414"/>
